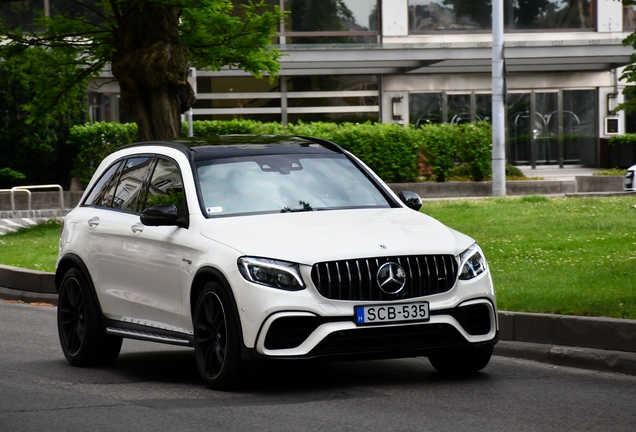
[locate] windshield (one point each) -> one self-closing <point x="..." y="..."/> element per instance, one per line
<point x="285" y="183"/>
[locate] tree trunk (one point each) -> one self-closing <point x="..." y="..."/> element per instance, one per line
<point x="151" y="66"/>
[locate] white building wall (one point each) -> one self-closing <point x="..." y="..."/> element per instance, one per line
<point x="395" y="17"/>
<point x="609" y="16"/>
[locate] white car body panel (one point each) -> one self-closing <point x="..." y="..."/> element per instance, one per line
<point x="629" y="181"/>
<point x="310" y="237"/>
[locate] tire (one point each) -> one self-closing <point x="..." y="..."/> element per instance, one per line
<point x="82" y="335"/>
<point x="216" y="339"/>
<point x="464" y="362"/>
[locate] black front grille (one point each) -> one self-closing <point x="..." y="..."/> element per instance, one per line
<point x="358" y="279"/>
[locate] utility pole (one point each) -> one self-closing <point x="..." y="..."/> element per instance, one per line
<point x="498" y="102"/>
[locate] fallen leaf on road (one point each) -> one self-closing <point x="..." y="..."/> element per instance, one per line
<point x="41" y="304"/>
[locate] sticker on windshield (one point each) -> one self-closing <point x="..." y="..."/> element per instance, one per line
<point x="212" y="210"/>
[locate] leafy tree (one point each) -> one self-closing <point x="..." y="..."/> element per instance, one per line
<point x="149" y="46"/>
<point x="33" y="146"/>
<point x="629" y="73"/>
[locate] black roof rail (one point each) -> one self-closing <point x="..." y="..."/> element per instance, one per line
<point x="325" y="143"/>
<point x="172" y="144"/>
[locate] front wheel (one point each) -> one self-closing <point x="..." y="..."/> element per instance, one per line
<point x="82" y="336"/>
<point x="216" y="338"/>
<point x="469" y="361"/>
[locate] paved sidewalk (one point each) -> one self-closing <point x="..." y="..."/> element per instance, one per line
<point x="553" y="172"/>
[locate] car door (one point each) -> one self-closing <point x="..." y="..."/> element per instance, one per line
<point x="154" y="254"/>
<point x="104" y="224"/>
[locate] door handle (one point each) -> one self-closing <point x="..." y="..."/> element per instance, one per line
<point x="93" y="222"/>
<point x="137" y="228"/>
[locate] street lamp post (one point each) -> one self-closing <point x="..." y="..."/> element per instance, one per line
<point x="498" y="102"/>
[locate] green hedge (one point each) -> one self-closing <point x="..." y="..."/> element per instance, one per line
<point x="396" y="153"/>
<point x="94" y="142"/>
<point x="626" y="139"/>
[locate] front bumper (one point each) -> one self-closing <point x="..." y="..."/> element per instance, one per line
<point x="303" y="335"/>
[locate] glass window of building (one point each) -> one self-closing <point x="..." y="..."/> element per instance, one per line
<point x="483" y="107"/>
<point x="16" y="14"/>
<point x="88" y="9"/>
<point x="339" y="98"/>
<point x="629" y="18"/>
<point x="579" y="126"/>
<point x="331" y="21"/>
<point x="431" y="16"/>
<point x="459" y="108"/>
<point x="425" y="108"/>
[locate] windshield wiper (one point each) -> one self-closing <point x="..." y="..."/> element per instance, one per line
<point x="305" y="207"/>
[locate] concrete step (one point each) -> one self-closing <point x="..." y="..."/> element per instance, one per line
<point x="14" y="224"/>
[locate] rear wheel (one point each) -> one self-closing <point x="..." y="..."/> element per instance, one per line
<point x="470" y="361"/>
<point x="216" y="338"/>
<point x="82" y="336"/>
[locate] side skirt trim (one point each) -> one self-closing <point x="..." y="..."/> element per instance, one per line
<point x="131" y="334"/>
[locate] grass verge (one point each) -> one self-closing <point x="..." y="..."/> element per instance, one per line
<point x="563" y="255"/>
<point x="35" y="247"/>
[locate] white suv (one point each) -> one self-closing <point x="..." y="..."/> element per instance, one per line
<point x="256" y="247"/>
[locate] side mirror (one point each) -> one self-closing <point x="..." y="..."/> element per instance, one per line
<point x="160" y="215"/>
<point x="411" y="199"/>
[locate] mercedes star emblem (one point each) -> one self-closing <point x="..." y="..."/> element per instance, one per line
<point x="391" y="278"/>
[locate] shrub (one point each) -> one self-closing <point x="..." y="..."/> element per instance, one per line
<point x="396" y="153"/>
<point x="95" y="141"/>
<point x="441" y="142"/>
<point x="475" y="149"/>
<point x="513" y="171"/>
<point x="626" y="139"/>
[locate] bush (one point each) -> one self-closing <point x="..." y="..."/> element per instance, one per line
<point x="513" y="171"/>
<point x="396" y="153"/>
<point x="441" y="143"/>
<point x="626" y="139"/>
<point x="475" y="149"/>
<point x="95" y="141"/>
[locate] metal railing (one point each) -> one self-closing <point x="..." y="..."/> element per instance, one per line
<point x="27" y="190"/>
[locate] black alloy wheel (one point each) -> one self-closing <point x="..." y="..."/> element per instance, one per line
<point x="82" y="337"/>
<point x="216" y="340"/>
<point x="71" y="316"/>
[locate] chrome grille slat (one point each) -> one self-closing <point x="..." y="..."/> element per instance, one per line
<point x="356" y="279"/>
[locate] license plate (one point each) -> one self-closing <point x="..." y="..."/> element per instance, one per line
<point x="381" y="314"/>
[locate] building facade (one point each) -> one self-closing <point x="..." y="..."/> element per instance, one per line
<point x="421" y="61"/>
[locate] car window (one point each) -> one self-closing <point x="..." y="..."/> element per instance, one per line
<point x="285" y="183"/>
<point x="166" y="185"/>
<point x="131" y="183"/>
<point x="102" y="193"/>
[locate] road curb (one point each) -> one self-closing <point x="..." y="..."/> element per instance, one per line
<point x="577" y="357"/>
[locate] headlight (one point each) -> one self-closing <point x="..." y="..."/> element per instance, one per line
<point x="271" y="273"/>
<point x="472" y="263"/>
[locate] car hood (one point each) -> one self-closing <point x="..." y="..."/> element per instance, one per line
<point x="310" y="237"/>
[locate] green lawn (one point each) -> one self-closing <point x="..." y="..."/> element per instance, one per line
<point x="35" y="247"/>
<point x="563" y="255"/>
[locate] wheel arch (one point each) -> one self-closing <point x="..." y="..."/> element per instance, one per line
<point x="210" y="274"/>
<point x="68" y="262"/>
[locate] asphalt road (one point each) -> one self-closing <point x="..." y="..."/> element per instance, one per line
<point x="156" y="388"/>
